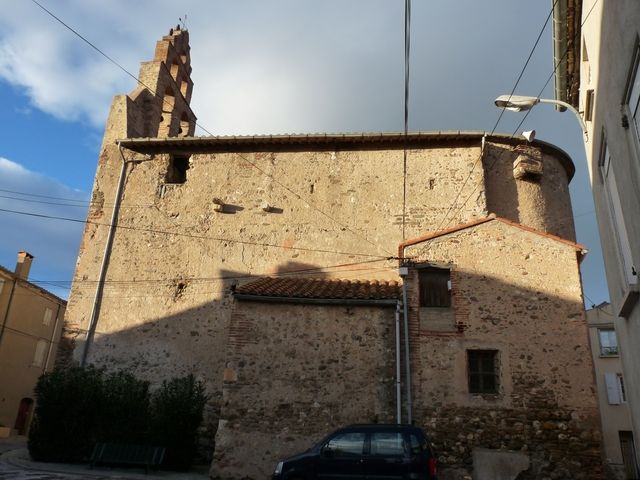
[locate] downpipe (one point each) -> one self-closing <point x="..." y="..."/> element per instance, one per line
<point x="398" y="372"/>
<point x="95" y="310"/>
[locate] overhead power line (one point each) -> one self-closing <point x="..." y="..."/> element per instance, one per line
<point x="214" y="279"/>
<point x="110" y="59"/>
<point x="202" y="237"/>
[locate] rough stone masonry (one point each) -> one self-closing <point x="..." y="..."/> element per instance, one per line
<point x="500" y="365"/>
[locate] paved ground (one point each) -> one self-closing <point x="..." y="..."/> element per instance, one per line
<point x="15" y="464"/>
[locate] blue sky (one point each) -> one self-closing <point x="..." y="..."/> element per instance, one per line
<point x="259" y="67"/>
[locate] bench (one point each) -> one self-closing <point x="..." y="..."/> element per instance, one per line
<point x="126" y="454"/>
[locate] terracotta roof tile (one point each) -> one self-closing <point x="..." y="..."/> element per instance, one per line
<point x="321" y="288"/>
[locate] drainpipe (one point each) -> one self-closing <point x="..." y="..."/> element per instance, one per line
<point x="398" y="374"/>
<point x="404" y="272"/>
<point x="6" y="313"/>
<point x="53" y="336"/>
<point x="95" y="310"/>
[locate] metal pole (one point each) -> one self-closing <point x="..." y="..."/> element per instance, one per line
<point x="398" y="373"/>
<point x="6" y="313"/>
<point x="103" y="267"/>
<point x="405" y="308"/>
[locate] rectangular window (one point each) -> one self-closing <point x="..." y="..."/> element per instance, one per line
<point x="617" y="218"/>
<point x="177" y="169"/>
<point x="632" y="99"/>
<point x="1" y="285"/>
<point x="48" y="313"/>
<point x="435" y="287"/>
<point x="616" y="394"/>
<point x="483" y="372"/>
<point x="608" y="342"/>
<point x="588" y="106"/>
<point x="38" y="356"/>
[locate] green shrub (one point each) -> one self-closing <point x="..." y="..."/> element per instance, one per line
<point x="176" y="413"/>
<point x="66" y="414"/>
<point x="78" y="407"/>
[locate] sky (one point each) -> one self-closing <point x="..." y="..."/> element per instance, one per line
<point x="283" y="66"/>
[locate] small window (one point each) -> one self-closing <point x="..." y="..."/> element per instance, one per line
<point x="435" y="287"/>
<point x="588" y="106"/>
<point x="621" y="236"/>
<point x="616" y="394"/>
<point x="620" y="381"/>
<point x="632" y="96"/>
<point x="38" y="356"/>
<point x="608" y="342"/>
<point x="177" y="170"/>
<point x="48" y="313"/>
<point x="483" y="374"/>
<point x="345" y="445"/>
<point x="387" y="444"/>
<point x="1" y="285"/>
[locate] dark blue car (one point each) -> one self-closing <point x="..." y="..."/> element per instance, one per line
<point x="359" y="452"/>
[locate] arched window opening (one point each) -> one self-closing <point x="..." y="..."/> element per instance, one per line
<point x="184" y="125"/>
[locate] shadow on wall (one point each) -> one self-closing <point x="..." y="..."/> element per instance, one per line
<point x="300" y="371"/>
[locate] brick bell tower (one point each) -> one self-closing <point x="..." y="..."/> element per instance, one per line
<point x="159" y="105"/>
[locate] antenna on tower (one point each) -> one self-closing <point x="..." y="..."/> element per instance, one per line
<point x="183" y="23"/>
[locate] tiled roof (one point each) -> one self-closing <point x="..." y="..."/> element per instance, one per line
<point x="318" y="288"/>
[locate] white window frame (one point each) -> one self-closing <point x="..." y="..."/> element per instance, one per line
<point x="619" y="228"/>
<point x="48" y="315"/>
<point x="615" y="388"/>
<point x="602" y="347"/>
<point x="38" y="355"/>
<point x="631" y="100"/>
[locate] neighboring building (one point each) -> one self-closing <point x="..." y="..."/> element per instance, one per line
<point x="617" y="438"/>
<point x="183" y="230"/>
<point x="600" y="75"/>
<point x="30" y="329"/>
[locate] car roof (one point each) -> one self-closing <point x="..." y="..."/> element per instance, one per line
<point x="382" y="426"/>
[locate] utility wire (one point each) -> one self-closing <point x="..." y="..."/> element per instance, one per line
<point x="407" y="58"/>
<point x="202" y="237"/>
<point x="555" y="67"/>
<point x="517" y="129"/>
<point x="101" y="52"/>
<point x="296" y="272"/>
<point x="495" y="126"/>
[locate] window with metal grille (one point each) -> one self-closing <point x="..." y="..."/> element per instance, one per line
<point x="483" y="372"/>
<point x="435" y="287"/>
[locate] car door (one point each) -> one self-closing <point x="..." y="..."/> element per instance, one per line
<point x="341" y="457"/>
<point x="387" y="457"/>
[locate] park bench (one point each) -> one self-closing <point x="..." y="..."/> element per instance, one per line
<point x="127" y="454"/>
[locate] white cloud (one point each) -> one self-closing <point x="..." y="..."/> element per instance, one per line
<point x="54" y="243"/>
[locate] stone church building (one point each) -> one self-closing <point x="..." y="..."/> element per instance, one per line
<point x="279" y="270"/>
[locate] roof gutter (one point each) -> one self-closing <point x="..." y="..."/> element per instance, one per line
<point x="560" y="51"/>
<point x="380" y="302"/>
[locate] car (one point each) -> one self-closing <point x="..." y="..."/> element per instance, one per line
<point x="364" y="452"/>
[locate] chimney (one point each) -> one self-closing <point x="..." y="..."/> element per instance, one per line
<point x="24" y="265"/>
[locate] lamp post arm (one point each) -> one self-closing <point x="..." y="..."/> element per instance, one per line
<point x="568" y="106"/>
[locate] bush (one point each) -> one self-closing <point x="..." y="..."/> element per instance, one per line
<point x="176" y="414"/>
<point x="66" y="415"/>
<point x="78" y="407"/>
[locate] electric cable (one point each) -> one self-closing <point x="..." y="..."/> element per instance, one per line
<point x="202" y="237"/>
<point x="407" y="58"/>
<point x="101" y="52"/>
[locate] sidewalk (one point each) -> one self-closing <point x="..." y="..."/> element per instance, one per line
<point x="14" y="452"/>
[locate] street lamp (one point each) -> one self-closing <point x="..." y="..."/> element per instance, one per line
<point x="519" y="103"/>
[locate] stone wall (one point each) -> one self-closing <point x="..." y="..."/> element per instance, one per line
<point x="294" y="373"/>
<point x="518" y="293"/>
